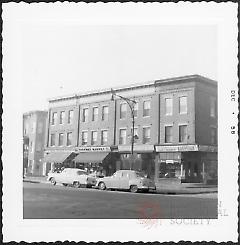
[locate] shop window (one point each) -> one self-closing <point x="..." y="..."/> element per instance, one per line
<point x="146" y="108"/>
<point x="70" y="116"/>
<point x="183" y="133"/>
<point x="52" y="140"/>
<point x="135" y="109"/>
<point x="105" y="113"/>
<point x="168" y="134"/>
<point x="122" y="136"/>
<point x="94" y="138"/>
<point x="183" y="105"/>
<point x="84" y="138"/>
<point x="95" y="114"/>
<point x="104" y="137"/>
<point x="168" y="106"/>
<point x="169" y="170"/>
<point x="62" y="117"/>
<point x="123" y="111"/>
<point x="69" y="139"/>
<point x="213" y="136"/>
<point x="54" y="118"/>
<point x="146" y="135"/>
<point x="213" y="106"/>
<point x="85" y="115"/>
<point x="60" y="139"/>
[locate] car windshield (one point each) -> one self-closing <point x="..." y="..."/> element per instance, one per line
<point x="81" y="173"/>
<point x="140" y="174"/>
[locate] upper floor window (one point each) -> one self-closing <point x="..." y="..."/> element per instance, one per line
<point x="84" y="137"/>
<point x="168" y="134"/>
<point x="168" y="106"/>
<point x="183" y="133"/>
<point x="183" y="105"/>
<point x="146" y="135"/>
<point x="70" y="116"/>
<point x="135" y="109"/>
<point x="105" y="113"/>
<point x="85" y="115"/>
<point x="62" y="117"/>
<point x="104" y="137"/>
<point x="52" y="140"/>
<point x="95" y="114"/>
<point x="135" y="133"/>
<point x="69" y="138"/>
<point x="54" y="118"/>
<point x="122" y="136"/>
<point x="213" y="136"/>
<point x="213" y="106"/>
<point x="146" y="108"/>
<point x="60" y="139"/>
<point x="123" y="111"/>
<point x="94" y="138"/>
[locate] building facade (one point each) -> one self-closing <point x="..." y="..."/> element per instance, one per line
<point x="175" y="130"/>
<point x="34" y="134"/>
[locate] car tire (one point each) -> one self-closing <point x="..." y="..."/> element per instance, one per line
<point x="133" y="188"/>
<point x="102" y="186"/>
<point x="53" y="181"/>
<point x="64" y="184"/>
<point x="76" y="184"/>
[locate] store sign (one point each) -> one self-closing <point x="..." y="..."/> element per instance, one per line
<point x="136" y="148"/>
<point x="174" y="148"/>
<point x="208" y="148"/>
<point x="93" y="149"/>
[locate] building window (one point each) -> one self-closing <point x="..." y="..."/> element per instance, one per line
<point x="168" y="134"/>
<point x="105" y="113"/>
<point x="94" y="138"/>
<point x="146" y="108"/>
<point x="54" y="118"/>
<point x="213" y="136"/>
<point x="70" y="116"/>
<point x="122" y="136"/>
<point x="146" y="135"/>
<point x="213" y="107"/>
<point x="183" y="105"/>
<point x="62" y="117"/>
<point x="85" y="115"/>
<point x="135" y="109"/>
<point x="135" y="133"/>
<point x="60" y="139"/>
<point x="52" y="140"/>
<point x="123" y="111"/>
<point x="84" y="138"/>
<point x="168" y="106"/>
<point x="95" y="114"/>
<point x="69" y="139"/>
<point x="183" y="133"/>
<point x="104" y="137"/>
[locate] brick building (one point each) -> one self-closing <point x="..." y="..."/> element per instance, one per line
<point x="34" y="134"/>
<point x="175" y="130"/>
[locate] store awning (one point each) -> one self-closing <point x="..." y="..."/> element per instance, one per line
<point x="57" y="157"/>
<point x="91" y="157"/>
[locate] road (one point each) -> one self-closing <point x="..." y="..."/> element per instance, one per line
<point x="44" y="201"/>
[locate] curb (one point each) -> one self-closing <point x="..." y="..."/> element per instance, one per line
<point x="184" y="192"/>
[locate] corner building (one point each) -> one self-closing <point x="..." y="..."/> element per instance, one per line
<point x="175" y="130"/>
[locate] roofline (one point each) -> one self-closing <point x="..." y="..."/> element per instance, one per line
<point x="133" y="86"/>
<point x="34" y="112"/>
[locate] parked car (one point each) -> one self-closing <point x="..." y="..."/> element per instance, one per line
<point x="126" y="180"/>
<point x="72" y="176"/>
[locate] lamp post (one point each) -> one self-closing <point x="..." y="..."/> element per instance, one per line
<point x="131" y="104"/>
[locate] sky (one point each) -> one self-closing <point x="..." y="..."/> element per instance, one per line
<point x="63" y="56"/>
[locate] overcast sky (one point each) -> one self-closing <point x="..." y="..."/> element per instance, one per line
<point x="61" y="57"/>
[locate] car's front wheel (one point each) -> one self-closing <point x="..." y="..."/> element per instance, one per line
<point x="102" y="186"/>
<point x="133" y="188"/>
<point x="76" y="184"/>
<point x="53" y="181"/>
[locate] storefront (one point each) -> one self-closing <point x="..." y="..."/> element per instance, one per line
<point x="186" y="163"/>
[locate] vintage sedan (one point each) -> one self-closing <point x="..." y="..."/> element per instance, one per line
<point x="72" y="176"/>
<point x="126" y="180"/>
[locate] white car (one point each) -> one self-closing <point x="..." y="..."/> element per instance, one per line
<point x="72" y="176"/>
<point x="126" y="180"/>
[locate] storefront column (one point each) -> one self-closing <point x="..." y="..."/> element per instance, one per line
<point x="181" y="173"/>
<point x="203" y="172"/>
<point x="156" y="168"/>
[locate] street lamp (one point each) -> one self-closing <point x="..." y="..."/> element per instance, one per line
<point x="131" y="104"/>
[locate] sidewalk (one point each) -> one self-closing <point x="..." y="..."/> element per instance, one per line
<point x="184" y="188"/>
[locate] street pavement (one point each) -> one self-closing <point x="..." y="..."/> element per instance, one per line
<point x="44" y="201"/>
